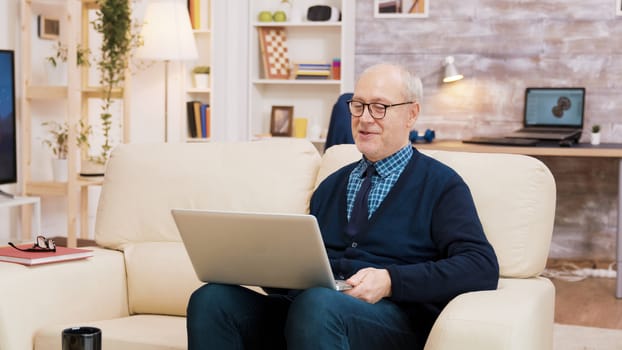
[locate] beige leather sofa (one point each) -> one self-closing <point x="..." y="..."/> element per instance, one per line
<point x="136" y="287"/>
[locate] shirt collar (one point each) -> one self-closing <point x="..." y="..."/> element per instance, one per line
<point x="388" y="165"/>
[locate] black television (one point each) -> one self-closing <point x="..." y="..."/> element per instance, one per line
<point x="8" y="132"/>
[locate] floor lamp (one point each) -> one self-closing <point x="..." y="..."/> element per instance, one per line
<point x="167" y="36"/>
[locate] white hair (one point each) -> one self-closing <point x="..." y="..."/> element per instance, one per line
<point x="413" y="88"/>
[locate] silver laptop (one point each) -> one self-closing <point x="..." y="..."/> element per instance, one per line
<point x="256" y="249"/>
<point x="552" y="114"/>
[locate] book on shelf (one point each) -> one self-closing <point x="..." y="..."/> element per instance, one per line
<point x="312" y="70"/>
<point x="10" y="254"/>
<point x="313" y="66"/>
<point x="319" y="73"/>
<point x="199" y="119"/>
<point x="205" y="120"/>
<point x="312" y="77"/>
<point x="192" y="129"/>
<point x="194" y="10"/>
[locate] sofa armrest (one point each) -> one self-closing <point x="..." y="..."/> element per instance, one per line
<point x="65" y="292"/>
<point x="518" y="315"/>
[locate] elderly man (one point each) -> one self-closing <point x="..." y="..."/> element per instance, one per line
<point x="400" y="227"/>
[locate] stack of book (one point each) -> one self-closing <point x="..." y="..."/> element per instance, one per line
<point x="312" y="70"/>
<point x="199" y="119"/>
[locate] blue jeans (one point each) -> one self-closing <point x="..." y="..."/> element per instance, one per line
<point x="232" y="317"/>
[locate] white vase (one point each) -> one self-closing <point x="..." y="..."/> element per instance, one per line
<point x="295" y="15"/>
<point x="56" y="75"/>
<point x="59" y="170"/>
<point x="315" y="132"/>
<point x="595" y="138"/>
<point x="201" y="81"/>
<point x="286" y="7"/>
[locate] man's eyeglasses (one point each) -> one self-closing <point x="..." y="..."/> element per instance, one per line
<point x="42" y="244"/>
<point x="376" y="110"/>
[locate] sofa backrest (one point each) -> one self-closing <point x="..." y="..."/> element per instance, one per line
<point x="514" y="196"/>
<point x="144" y="182"/>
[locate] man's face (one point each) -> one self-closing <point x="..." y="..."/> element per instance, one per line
<point x="380" y="138"/>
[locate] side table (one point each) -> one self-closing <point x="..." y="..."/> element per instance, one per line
<point x="36" y="220"/>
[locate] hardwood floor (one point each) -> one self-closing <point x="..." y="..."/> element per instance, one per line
<point x="590" y="302"/>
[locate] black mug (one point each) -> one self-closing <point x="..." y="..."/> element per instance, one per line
<point x="82" y="338"/>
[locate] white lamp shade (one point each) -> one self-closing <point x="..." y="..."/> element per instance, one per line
<point x="451" y="73"/>
<point x="167" y="33"/>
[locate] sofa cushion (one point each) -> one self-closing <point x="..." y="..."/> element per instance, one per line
<point x="514" y="196"/>
<point x="144" y="182"/>
<point x="160" y="278"/>
<point x="141" y="332"/>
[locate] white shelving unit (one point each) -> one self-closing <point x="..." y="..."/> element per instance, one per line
<point x="203" y="38"/>
<point x="306" y="42"/>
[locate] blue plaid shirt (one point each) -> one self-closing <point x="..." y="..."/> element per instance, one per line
<point x="389" y="170"/>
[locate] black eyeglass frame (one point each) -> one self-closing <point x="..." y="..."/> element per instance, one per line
<point x="41" y="245"/>
<point x="385" y="106"/>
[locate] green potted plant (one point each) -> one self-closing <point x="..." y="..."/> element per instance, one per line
<point x="201" y="76"/>
<point x="58" y="142"/>
<point x="595" y="135"/>
<point x="119" y="38"/>
<point x="56" y="69"/>
<point x="57" y="139"/>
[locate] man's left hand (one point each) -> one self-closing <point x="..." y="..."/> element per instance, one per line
<point x="370" y="285"/>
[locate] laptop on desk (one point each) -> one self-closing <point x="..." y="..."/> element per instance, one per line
<point x="552" y="114"/>
<point x="256" y="249"/>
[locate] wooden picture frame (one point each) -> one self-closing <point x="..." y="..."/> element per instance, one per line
<point x="282" y="120"/>
<point x="618" y="7"/>
<point x="48" y="28"/>
<point x="401" y="8"/>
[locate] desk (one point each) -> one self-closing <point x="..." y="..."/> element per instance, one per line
<point x="607" y="150"/>
<point x="36" y="203"/>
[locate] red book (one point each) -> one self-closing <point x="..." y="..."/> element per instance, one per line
<point x="10" y="254"/>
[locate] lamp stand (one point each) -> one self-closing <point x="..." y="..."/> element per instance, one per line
<point x="166" y="100"/>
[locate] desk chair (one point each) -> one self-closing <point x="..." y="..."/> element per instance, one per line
<point x="339" y="129"/>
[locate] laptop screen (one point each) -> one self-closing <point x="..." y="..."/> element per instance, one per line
<point x="554" y="107"/>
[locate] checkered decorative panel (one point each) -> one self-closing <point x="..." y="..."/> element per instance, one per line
<point x="273" y="43"/>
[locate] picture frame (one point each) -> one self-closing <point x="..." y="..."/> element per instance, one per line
<point x="401" y="8"/>
<point x="618" y="7"/>
<point x="282" y="120"/>
<point x="48" y="28"/>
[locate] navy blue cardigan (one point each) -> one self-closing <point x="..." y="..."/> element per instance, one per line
<point x="426" y="233"/>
